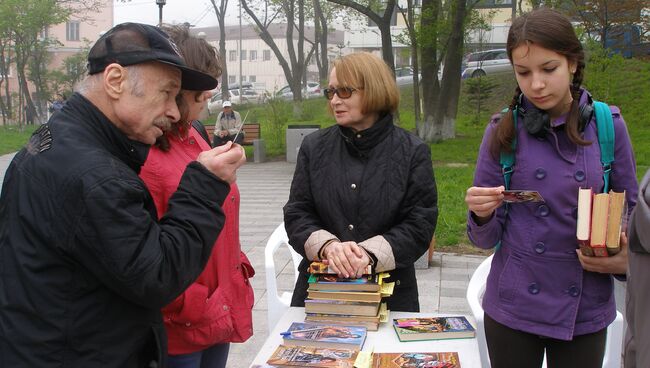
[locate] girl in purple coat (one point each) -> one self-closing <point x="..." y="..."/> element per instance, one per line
<point x="541" y="295"/>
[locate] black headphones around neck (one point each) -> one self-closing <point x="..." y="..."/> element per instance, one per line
<point x="538" y="123"/>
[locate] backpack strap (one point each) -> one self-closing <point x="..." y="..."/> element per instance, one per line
<point x="507" y="159"/>
<point x="606" y="138"/>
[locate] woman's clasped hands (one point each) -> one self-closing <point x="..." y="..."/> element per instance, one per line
<point x="347" y="259"/>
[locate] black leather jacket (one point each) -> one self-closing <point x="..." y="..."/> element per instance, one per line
<point x="85" y="267"/>
<point x="394" y="195"/>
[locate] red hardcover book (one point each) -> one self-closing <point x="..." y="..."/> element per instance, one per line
<point x="583" y="228"/>
<point x="598" y="236"/>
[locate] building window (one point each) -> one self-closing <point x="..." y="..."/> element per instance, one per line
<point x="253" y="55"/>
<point x="252" y="78"/>
<point x="232" y="79"/>
<point x="243" y="54"/>
<point x="266" y="55"/>
<point x="232" y="55"/>
<point x="72" y="31"/>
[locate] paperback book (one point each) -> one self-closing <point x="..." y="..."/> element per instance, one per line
<point x="417" y="360"/>
<point x="356" y="296"/>
<point x="369" y="322"/>
<point x="304" y="356"/>
<point x="341" y="307"/>
<point x="332" y="282"/>
<point x="322" y="268"/>
<point x="433" y="328"/>
<point x="325" y="336"/>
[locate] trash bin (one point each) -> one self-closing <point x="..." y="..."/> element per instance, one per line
<point x="295" y="134"/>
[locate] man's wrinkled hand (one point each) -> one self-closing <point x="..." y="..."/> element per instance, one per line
<point x="223" y="161"/>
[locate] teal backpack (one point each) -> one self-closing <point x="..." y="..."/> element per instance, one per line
<point x="605" y="126"/>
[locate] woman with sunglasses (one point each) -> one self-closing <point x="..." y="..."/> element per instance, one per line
<point x="363" y="191"/>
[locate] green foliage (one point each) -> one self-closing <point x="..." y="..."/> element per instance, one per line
<point x="477" y="90"/>
<point x="13" y="138"/>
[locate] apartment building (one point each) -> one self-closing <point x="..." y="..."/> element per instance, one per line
<point x="259" y="64"/>
<point x="83" y="28"/>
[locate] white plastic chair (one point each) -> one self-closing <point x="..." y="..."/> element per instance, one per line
<point x="475" y="291"/>
<point x="277" y="304"/>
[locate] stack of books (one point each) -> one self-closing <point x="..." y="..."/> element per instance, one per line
<point x="346" y="301"/>
<point x="433" y="328"/>
<point x="600" y="220"/>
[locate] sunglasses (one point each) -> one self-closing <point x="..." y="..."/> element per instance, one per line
<point x="342" y="92"/>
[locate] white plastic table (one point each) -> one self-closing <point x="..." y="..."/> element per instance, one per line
<point x="384" y="340"/>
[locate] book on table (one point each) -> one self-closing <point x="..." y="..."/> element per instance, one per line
<point x="310" y="356"/>
<point x="335" y="283"/>
<point x="317" y="267"/>
<point x="325" y="336"/>
<point x="433" y="328"/>
<point x="355" y="296"/>
<point x="369" y="322"/>
<point x="399" y="360"/>
<point x="341" y="307"/>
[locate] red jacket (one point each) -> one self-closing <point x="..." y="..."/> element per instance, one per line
<point x="217" y="307"/>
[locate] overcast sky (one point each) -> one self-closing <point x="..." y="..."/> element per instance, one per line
<point x="199" y="13"/>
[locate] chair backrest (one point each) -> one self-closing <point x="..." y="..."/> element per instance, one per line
<point x="475" y="291"/>
<point x="277" y="305"/>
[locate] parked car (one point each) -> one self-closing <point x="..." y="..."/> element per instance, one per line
<point x="249" y="96"/>
<point x="482" y="63"/>
<point x="312" y="90"/>
<point x="404" y="76"/>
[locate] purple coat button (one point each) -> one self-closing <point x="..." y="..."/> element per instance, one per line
<point x="574" y="291"/>
<point x="540" y="173"/>
<point x="579" y="175"/>
<point x="533" y="288"/>
<point x="540" y="247"/>
<point x="543" y="210"/>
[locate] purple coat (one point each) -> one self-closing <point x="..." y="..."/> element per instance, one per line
<point x="536" y="283"/>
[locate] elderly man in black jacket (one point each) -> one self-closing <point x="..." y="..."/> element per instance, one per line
<point x="363" y="191"/>
<point x="84" y="264"/>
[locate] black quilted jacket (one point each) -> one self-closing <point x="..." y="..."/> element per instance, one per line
<point x="85" y="266"/>
<point x="394" y="195"/>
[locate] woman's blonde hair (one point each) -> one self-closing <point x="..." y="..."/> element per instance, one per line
<point x="371" y="75"/>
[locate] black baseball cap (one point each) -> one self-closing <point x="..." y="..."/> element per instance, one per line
<point x="135" y="43"/>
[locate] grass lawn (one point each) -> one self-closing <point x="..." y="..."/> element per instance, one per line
<point x="620" y="82"/>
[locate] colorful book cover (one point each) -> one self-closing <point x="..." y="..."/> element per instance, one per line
<point x="333" y="282"/>
<point x="323" y="335"/>
<point x="415" y="360"/>
<point x="303" y="356"/>
<point x="432" y="328"/>
<point x="322" y="268"/>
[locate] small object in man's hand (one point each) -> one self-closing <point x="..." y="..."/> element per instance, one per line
<point x="519" y="196"/>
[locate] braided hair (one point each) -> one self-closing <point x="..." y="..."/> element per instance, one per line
<point x="551" y="30"/>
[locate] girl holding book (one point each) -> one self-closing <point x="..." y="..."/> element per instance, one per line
<point x="539" y="298"/>
<point x="363" y="191"/>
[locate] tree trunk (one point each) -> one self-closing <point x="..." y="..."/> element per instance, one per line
<point x="383" y="24"/>
<point x="430" y="83"/>
<point x="321" y="36"/>
<point x="447" y="106"/>
<point x="220" y="12"/>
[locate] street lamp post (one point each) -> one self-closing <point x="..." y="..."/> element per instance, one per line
<point x="160" y="3"/>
